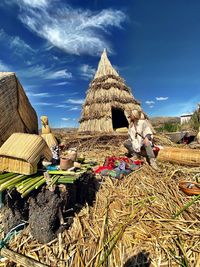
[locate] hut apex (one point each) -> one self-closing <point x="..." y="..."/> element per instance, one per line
<point x="105" y="67"/>
<point x="108" y="102"/>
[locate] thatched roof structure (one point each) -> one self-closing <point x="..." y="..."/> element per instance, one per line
<point x="21" y="153"/>
<point x="16" y="112"/>
<point x="108" y="102"/>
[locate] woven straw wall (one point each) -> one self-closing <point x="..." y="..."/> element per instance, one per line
<point x="17" y="114"/>
<point x="106" y="91"/>
<point x="21" y="153"/>
<point x="101" y="97"/>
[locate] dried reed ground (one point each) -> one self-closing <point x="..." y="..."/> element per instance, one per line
<point x="131" y="217"/>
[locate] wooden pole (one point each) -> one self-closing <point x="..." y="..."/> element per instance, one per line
<point x="20" y="259"/>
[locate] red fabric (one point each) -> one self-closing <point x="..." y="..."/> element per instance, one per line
<point x="101" y="168"/>
<point x="138" y="162"/>
<point x="110" y="161"/>
<point x="155" y="148"/>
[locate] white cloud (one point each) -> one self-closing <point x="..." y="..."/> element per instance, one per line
<point x="148" y="102"/>
<point x="43" y="104"/>
<point x="61" y="83"/>
<point x="65" y="119"/>
<point x="15" y="43"/>
<point x="41" y="71"/>
<point x="75" y="31"/>
<point x="38" y="94"/>
<point x="151" y="106"/>
<point x="34" y="3"/>
<point x="59" y="74"/>
<point x="75" y="108"/>
<point x="75" y="101"/>
<point x="3" y="66"/>
<point x="161" y="98"/>
<point x="62" y="106"/>
<point x="87" y="71"/>
<point x="177" y="107"/>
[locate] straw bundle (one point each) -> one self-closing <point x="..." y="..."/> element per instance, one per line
<point x="50" y="139"/>
<point x="182" y="156"/>
<point x="22" y="152"/>
<point x="45" y="125"/>
<point x="46" y="133"/>
<point x="108" y="102"/>
<point x="17" y="114"/>
<point x="122" y="130"/>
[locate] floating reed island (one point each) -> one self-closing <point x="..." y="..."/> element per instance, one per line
<point x="142" y="220"/>
<point x="86" y="220"/>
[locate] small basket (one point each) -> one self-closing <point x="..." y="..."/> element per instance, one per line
<point x="66" y="163"/>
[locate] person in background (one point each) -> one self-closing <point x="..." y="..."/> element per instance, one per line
<point x="140" y="136"/>
<point x="198" y="136"/>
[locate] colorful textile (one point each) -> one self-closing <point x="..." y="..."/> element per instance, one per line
<point x="117" y="167"/>
<point x="102" y="168"/>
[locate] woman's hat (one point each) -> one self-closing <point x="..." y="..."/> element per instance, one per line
<point x="136" y="113"/>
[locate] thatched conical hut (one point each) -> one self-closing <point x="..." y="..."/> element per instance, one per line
<point x="16" y="112"/>
<point x="108" y="101"/>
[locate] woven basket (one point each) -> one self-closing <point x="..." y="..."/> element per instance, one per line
<point x="182" y="156"/>
<point x="22" y="152"/>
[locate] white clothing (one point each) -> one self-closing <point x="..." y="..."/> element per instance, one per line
<point x="137" y="133"/>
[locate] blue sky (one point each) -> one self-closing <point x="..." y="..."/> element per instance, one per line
<point x="54" y="48"/>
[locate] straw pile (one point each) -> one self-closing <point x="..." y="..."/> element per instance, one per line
<point x="134" y="220"/>
<point x="182" y="156"/>
<point x="22" y="152"/>
<point x="108" y="102"/>
<point x="17" y="114"/>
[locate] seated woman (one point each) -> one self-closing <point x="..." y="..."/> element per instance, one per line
<point x="140" y="136"/>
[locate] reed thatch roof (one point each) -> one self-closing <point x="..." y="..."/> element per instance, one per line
<point x="17" y="114"/>
<point x="108" y="101"/>
<point x="21" y="153"/>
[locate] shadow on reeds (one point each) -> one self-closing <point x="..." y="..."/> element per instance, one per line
<point x="49" y="212"/>
<point x="139" y="260"/>
<point x="58" y="208"/>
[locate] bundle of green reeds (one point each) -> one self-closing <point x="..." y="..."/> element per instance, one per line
<point x="23" y="183"/>
<point x="26" y="184"/>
